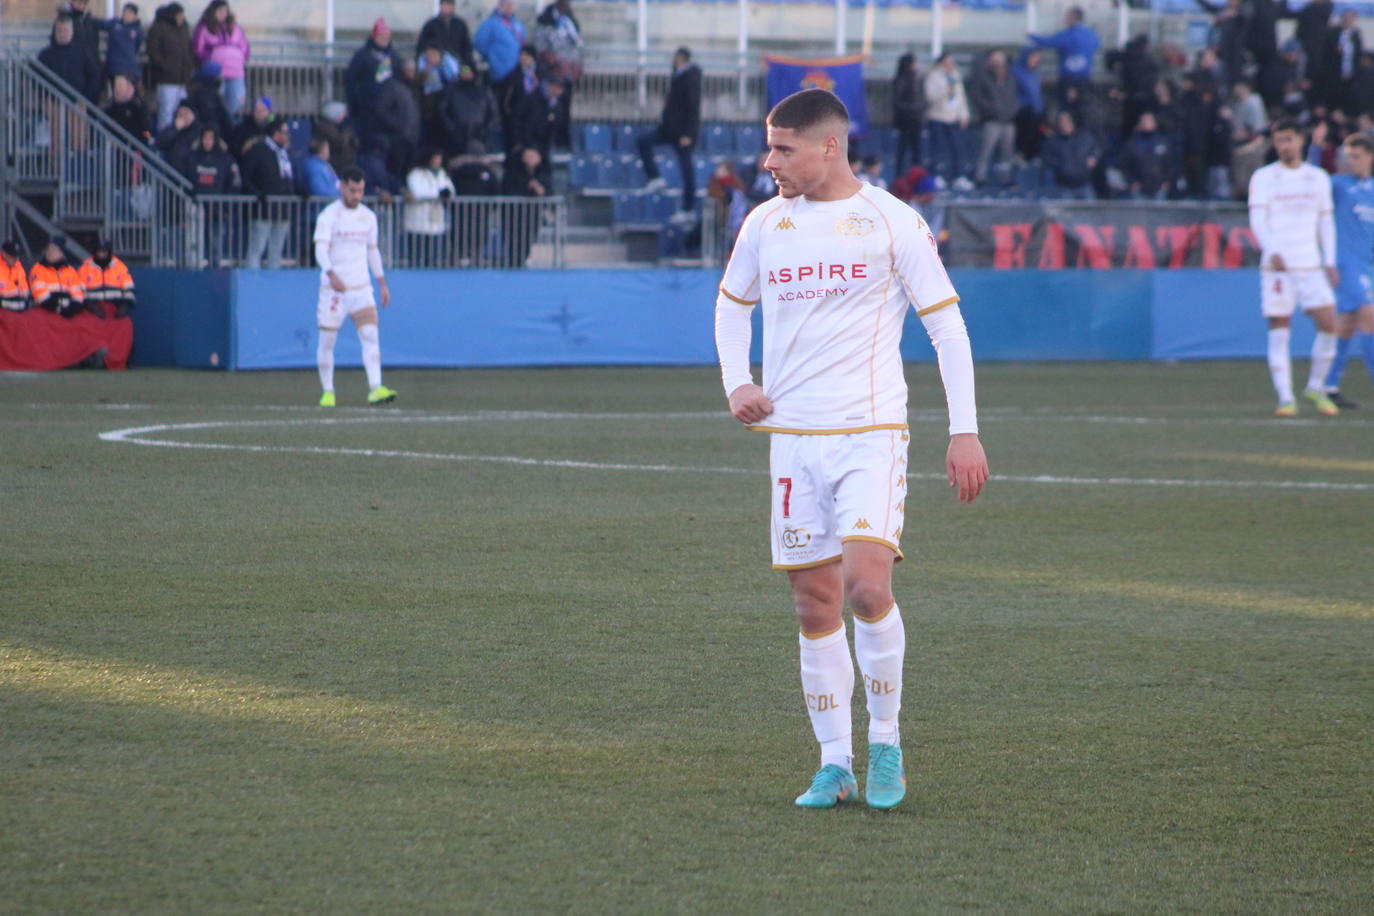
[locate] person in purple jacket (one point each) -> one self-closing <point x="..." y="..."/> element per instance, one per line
<point x="219" y="38"/>
<point x="1077" y="46"/>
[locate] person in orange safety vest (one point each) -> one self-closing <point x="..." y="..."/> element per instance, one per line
<point x="14" y="282"/>
<point x="109" y="286"/>
<point x="55" y="284"/>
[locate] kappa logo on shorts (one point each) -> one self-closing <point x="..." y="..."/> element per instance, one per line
<point x="897" y="535"/>
<point x="792" y="538"/>
<point x="862" y="525"/>
<point x="901" y="506"/>
<point x="785" y="223"/>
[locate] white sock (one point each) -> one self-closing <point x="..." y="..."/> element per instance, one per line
<point x="827" y="674"/>
<point x="372" y="354"/>
<point x="880" y="647"/>
<point x="1281" y="365"/>
<point x="1323" y="354"/>
<point x="324" y="358"/>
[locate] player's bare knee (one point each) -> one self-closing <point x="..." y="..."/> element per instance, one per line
<point x="869" y="599"/>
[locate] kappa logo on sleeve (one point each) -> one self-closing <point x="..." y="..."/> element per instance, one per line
<point x="785" y="223"/>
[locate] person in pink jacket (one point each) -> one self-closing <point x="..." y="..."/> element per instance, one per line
<point x="219" y="38"/>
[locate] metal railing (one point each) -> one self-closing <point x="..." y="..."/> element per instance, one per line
<point x="53" y="140"/>
<point x="495" y="233"/>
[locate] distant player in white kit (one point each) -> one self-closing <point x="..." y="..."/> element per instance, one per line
<point x="346" y="249"/>
<point x="835" y="264"/>
<point x="1293" y="220"/>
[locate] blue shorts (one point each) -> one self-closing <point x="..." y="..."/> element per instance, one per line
<point x="1356" y="290"/>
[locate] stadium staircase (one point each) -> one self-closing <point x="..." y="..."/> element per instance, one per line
<point x="67" y="167"/>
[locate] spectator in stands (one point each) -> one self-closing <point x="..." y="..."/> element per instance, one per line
<point x="993" y="99"/>
<point x="333" y="125"/>
<point x="1248" y="108"/>
<point x="1137" y="71"/>
<point x="519" y="84"/>
<point x="1359" y="93"/>
<point x="70" y="62"/>
<point x="175" y="140"/>
<point x="1344" y="49"/>
<point x="1313" y="23"/>
<point x="499" y="39"/>
<point x="209" y="167"/>
<point x="55" y="284"/>
<point x="1261" y="23"/>
<point x="449" y="33"/>
<point x="85" y="28"/>
<point x="1077" y="45"/>
<point x="218" y="37"/>
<point x="124" y="38"/>
<point x="925" y="200"/>
<point x="1071" y="156"/>
<point x="871" y="172"/>
<point x="127" y="110"/>
<point x="558" y="39"/>
<point x="527" y="175"/>
<point x="436" y="70"/>
<point x="1248" y="154"/>
<point x="1200" y="113"/>
<point x="207" y="100"/>
<point x="1147" y="161"/>
<point x="396" y="114"/>
<point x="253" y="128"/>
<point x="908" y="110"/>
<point x="269" y="172"/>
<point x="467" y="117"/>
<point x="1218" y="158"/>
<point x="171" y="60"/>
<point x="428" y="191"/>
<point x="109" y="285"/>
<point x="535" y="122"/>
<point x="678" y="127"/>
<point x="947" y="115"/>
<point x="372" y="65"/>
<point x="760" y="186"/>
<point x="14" y="281"/>
<point x="1030" y="99"/>
<point x="320" y="178"/>
<point x="1228" y="37"/>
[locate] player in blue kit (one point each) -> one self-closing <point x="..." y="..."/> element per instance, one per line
<point x="1353" y="197"/>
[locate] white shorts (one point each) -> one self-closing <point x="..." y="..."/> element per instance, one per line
<point x="1283" y="290"/>
<point x="836" y="488"/>
<point x="332" y="307"/>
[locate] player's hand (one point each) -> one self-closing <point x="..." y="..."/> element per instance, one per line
<point x="386" y="292"/>
<point x="749" y="404"/>
<point x="1334" y="275"/>
<point x="966" y="465"/>
<point x="1276" y="262"/>
<point x="336" y="284"/>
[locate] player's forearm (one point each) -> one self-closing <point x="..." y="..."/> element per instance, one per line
<point x="322" y="257"/>
<point x="1259" y="225"/>
<point x="949" y="336"/>
<point x="374" y="262"/>
<point x="734" y="334"/>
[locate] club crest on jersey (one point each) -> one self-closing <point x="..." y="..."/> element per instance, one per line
<point x="785" y="223"/>
<point x="853" y="225"/>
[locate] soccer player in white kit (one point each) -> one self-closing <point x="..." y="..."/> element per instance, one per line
<point x="346" y="249"/>
<point x="1293" y="220"/>
<point x="835" y="265"/>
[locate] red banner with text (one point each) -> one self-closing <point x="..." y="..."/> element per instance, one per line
<point x="1099" y="235"/>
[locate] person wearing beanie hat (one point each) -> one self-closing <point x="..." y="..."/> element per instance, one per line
<point x="14" y="282"/>
<point x="55" y="284"/>
<point x="108" y="283"/>
<point x="372" y="65"/>
<point x="251" y="129"/>
<point x="206" y="95"/>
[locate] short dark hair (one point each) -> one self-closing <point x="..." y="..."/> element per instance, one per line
<point x="685" y="51"/>
<point x="807" y="108"/>
<point x="1076" y="13"/>
<point x="276" y="125"/>
<point x="352" y="175"/>
<point x="132" y="6"/>
<point x="1285" y="124"/>
<point x="1362" y="141"/>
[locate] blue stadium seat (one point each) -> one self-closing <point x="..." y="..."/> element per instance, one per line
<point x="596" y="138"/>
<point x="658" y="207"/>
<point x="703" y="167"/>
<point x="718" y="139"/>
<point x="748" y="140"/>
<point x="669" y="168"/>
<point x="302" y="130"/>
<point x="626" y="136"/>
<point x="607" y="171"/>
<point x="628" y="207"/>
<point x="632" y="171"/>
<point x="581" y="170"/>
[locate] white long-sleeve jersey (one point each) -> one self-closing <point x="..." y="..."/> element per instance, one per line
<point x="346" y="242"/>
<point x="1291" y="215"/>
<point x="835" y="279"/>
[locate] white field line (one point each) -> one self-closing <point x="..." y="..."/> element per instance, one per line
<point x="138" y="435"/>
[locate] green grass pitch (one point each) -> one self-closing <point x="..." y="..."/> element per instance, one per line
<point x="515" y="646"/>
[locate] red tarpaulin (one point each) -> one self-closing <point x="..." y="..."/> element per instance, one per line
<point x="40" y="339"/>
